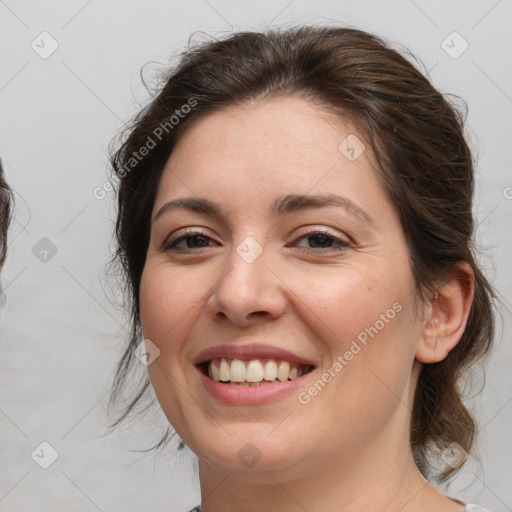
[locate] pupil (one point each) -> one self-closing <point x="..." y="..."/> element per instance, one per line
<point x="323" y="238"/>
<point x="196" y="238"/>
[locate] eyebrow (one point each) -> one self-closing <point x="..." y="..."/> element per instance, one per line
<point x="281" y="206"/>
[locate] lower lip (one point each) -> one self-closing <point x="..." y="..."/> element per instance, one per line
<point x="250" y="395"/>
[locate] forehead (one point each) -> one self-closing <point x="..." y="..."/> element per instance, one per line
<point x="287" y="127"/>
<point x="279" y="143"/>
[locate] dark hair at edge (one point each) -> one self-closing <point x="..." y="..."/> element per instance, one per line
<point x="6" y="202"/>
<point x="421" y="156"/>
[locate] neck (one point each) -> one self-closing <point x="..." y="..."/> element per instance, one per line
<point x="371" y="481"/>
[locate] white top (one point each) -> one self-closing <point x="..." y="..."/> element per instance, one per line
<point x="470" y="507"/>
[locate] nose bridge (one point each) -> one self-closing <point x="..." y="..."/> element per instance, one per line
<point x="247" y="267"/>
<point x="247" y="286"/>
<point x="250" y="250"/>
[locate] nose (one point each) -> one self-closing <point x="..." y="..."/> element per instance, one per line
<point x="248" y="292"/>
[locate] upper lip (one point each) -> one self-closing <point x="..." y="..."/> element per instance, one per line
<point x="248" y="352"/>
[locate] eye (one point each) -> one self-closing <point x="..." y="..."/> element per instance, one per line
<point x="193" y="240"/>
<point x="323" y="242"/>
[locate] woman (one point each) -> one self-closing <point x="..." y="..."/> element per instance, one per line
<point x="295" y="230"/>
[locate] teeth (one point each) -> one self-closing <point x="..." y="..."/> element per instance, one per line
<point x="215" y="372"/>
<point x="270" y="370"/>
<point x="237" y="373"/>
<point x="253" y="372"/>
<point x="283" y="371"/>
<point x="295" y="373"/>
<point x="223" y="370"/>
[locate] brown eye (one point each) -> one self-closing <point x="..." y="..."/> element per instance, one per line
<point x="323" y="241"/>
<point x="193" y="240"/>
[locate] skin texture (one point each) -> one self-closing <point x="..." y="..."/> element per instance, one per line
<point x="347" y="448"/>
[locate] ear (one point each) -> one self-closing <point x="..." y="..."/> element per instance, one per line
<point x="446" y="318"/>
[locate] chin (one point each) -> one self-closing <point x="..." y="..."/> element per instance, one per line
<point x="251" y="457"/>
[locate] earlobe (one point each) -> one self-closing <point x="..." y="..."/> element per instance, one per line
<point x="449" y="312"/>
<point x="431" y="347"/>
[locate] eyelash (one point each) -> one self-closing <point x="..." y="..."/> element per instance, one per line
<point x="343" y="245"/>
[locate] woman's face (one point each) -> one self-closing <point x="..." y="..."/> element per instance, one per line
<point x="265" y="280"/>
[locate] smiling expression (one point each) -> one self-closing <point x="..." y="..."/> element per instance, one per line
<point x="269" y="244"/>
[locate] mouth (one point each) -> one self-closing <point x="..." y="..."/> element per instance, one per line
<point x="252" y="372"/>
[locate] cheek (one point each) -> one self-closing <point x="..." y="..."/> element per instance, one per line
<point x="342" y="303"/>
<point x="367" y="319"/>
<point x="155" y="300"/>
<point x="168" y="301"/>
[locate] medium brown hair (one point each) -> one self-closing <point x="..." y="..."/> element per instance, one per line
<point x="417" y="140"/>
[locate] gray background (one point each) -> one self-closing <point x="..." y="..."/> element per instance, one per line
<point x="60" y="334"/>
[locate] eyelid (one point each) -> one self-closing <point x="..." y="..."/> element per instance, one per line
<point x="311" y="230"/>
<point x="342" y="244"/>
<point x="190" y="231"/>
